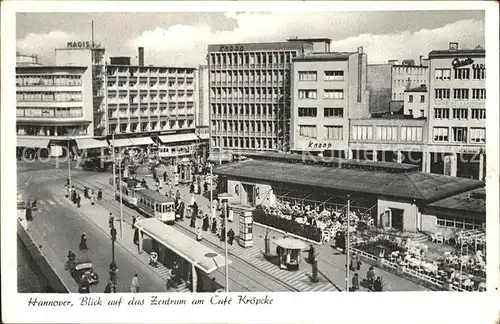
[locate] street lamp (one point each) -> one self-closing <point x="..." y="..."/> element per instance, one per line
<point x="224" y="198"/>
<point x="347" y="247"/>
<point x="69" y="171"/>
<point x="120" y="184"/>
<point x="112" y="267"/>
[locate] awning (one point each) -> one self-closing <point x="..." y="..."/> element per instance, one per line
<point x="177" y="138"/>
<point x="121" y="142"/>
<point x="204" y="136"/>
<point x="141" y="141"/>
<point x="33" y="142"/>
<point x="224" y="157"/>
<point x="88" y="143"/>
<point x="203" y="257"/>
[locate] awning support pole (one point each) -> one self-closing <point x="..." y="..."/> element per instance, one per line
<point x="140" y="241"/>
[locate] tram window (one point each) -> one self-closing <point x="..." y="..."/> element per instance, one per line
<point x="157" y="207"/>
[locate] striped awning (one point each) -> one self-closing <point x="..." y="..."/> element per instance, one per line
<point x="142" y="141"/>
<point x="121" y="142"/>
<point x="88" y="143"/>
<point x="33" y="142"/>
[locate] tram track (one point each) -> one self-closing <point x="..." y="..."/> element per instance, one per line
<point x="113" y="206"/>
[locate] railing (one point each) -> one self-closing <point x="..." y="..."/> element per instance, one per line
<point x="363" y="253"/>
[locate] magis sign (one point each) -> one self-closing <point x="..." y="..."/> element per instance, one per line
<point x="81" y="44"/>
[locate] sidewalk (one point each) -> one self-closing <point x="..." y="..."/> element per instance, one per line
<point x="331" y="263"/>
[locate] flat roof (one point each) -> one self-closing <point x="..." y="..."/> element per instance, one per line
<point x="424" y="187"/>
<point x="463" y="202"/>
<point x="319" y="39"/>
<point x="476" y="52"/>
<point x="332" y="56"/>
<point x="152" y="67"/>
<point x="263" y="46"/>
<point x="199" y="255"/>
<point x="417" y="89"/>
<point x="52" y="68"/>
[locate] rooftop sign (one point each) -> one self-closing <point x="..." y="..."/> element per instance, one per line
<point x="81" y="44"/>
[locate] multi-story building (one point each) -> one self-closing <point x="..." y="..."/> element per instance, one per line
<point x="416" y="102"/>
<point x="203" y="115"/>
<point x="52" y="106"/>
<point x="328" y="89"/>
<point x="250" y="94"/>
<point x="457" y="112"/>
<point x="387" y="83"/>
<point x="26" y="59"/>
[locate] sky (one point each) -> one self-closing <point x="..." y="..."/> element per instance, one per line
<point x="181" y="39"/>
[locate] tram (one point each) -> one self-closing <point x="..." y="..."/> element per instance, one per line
<point x="129" y="187"/>
<point x="153" y="204"/>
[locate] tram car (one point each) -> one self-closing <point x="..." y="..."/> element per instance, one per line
<point x="154" y="204"/>
<point x="129" y="188"/>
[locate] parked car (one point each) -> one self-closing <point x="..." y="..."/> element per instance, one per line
<point x="81" y="267"/>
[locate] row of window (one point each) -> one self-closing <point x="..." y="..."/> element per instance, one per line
<point x="459" y="223"/>
<point x="243" y="126"/>
<point x="249" y="76"/>
<point x="252" y="58"/>
<point x="239" y="92"/>
<point x="460" y="74"/>
<point x="460" y="94"/>
<point x="245" y="143"/>
<point x="151" y="204"/>
<point x="337" y="75"/>
<point x="49" y="80"/>
<point x="153" y="126"/>
<point x="37" y="130"/>
<point x="387" y="133"/>
<point x="59" y="112"/>
<point x="329" y="132"/>
<point x="327" y="112"/>
<point x="459" y="134"/>
<point x="327" y="94"/>
<point x="459" y="113"/>
<point x="49" y="96"/>
<point x="245" y="109"/>
<point x="410" y="98"/>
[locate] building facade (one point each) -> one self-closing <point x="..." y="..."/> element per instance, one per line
<point x="457" y="112"/>
<point x="327" y="90"/>
<point x="52" y="106"/>
<point x="250" y="94"/>
<point x="416" y="102"/>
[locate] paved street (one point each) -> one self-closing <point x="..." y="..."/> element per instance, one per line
<point x="60" y="225"/>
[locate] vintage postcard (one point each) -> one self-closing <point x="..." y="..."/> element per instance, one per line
<point x="250" y="162"/>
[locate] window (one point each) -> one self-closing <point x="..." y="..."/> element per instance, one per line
<point x="462" y="74"/>
<point x="334" y="132"/>
<point x="441" y="134"/>
<point x="461" y="94"/>
<point x="460" y="113"/>
<point x="410" y="98"/>
<point x="410" y="111"/>
<point x="308" y="131"/>
<point x="422" y="113"/>
<point x="307" y="94"/>
<point x="362" y="132"/>
<point x="442" y="93"/>
<point x="460" y="134"/>
<point x="478" y="135"/>
<point x="308" y="112"/>
<point x="478" y="94"/>
<point x="459" y="222"/>
<point x="479" y="74"/>
<point x="334" y="94"/>
<point x="334" y="75"/>
<point x="387" y="133"/>
<point x="442" y="74"/>
<point x="422" y="98"/>
<point x="478" y="114"/>
<point x="411" y="134"/>
<point x="333" y="112"/>
<point x="441" y="113"/>
<point x="308" y="76"/>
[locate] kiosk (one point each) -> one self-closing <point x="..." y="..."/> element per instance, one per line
<point x="185" y="172"/>
<point x="289" y="252"/>
<point x="246" y="229"/>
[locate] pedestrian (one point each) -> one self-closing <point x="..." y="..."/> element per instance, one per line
<point x="222" y="234"/>
<point x="164" y="176"/>
<point x="84" y="285"/>
<point x="78" y="200"/>
<point x="192" y="201"/>
<point x="205" y="187"/>
<point x="214" y="225"/>
<point x="195" y="209"/>
<point x="107" y="289"/>
<point x="86" y="192"/>
<point x="192" y="222"/>
<point x="357" y="257"/>
<point x="177" y="195"/>
<point x="199" y="235"/>
<point x="377" y="284"/>
<point x="205" y="223"/>
<point x="134" y="285"/>
<point x="29" y="216"/>
<point x="311" y="254"/>
<point x="355" y="282"/>
<point x="83" y="241"/>
<point x="168" y="279"/>
<point x="353" y="263"/>
<point x="134" y="219"/>
<point x="370" y="276"/>
<point x="230" y="236"/>
<point x="191" y="188"/>
<point x="99" y="195"/>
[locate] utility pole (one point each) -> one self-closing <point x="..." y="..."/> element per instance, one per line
<point x="347" y="250"/>
<point x="226" y="209"/>
<point x="69" y="171"/>
<point x="121" y="199"/>
<point x="112" y="267"/>
<point x="211" y="191"/>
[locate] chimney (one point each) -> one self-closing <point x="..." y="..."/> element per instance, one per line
<point x="360" y="50"/>
<point x="420" y="58"/>
<point x="453" y="46"/>
<point x="141" y="56"/>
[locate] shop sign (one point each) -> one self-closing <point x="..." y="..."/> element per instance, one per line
<point x="319" y="145"/>
<point x="231" y="48"/>
<point x="47" y="113"/>
<point x="456" y="63"/>
<point x="470" y="150"/>
<point x="81" y="44"/>
<point x="478" y="66"/>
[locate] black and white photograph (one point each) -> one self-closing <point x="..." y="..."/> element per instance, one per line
<point x="250" y="152"/>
